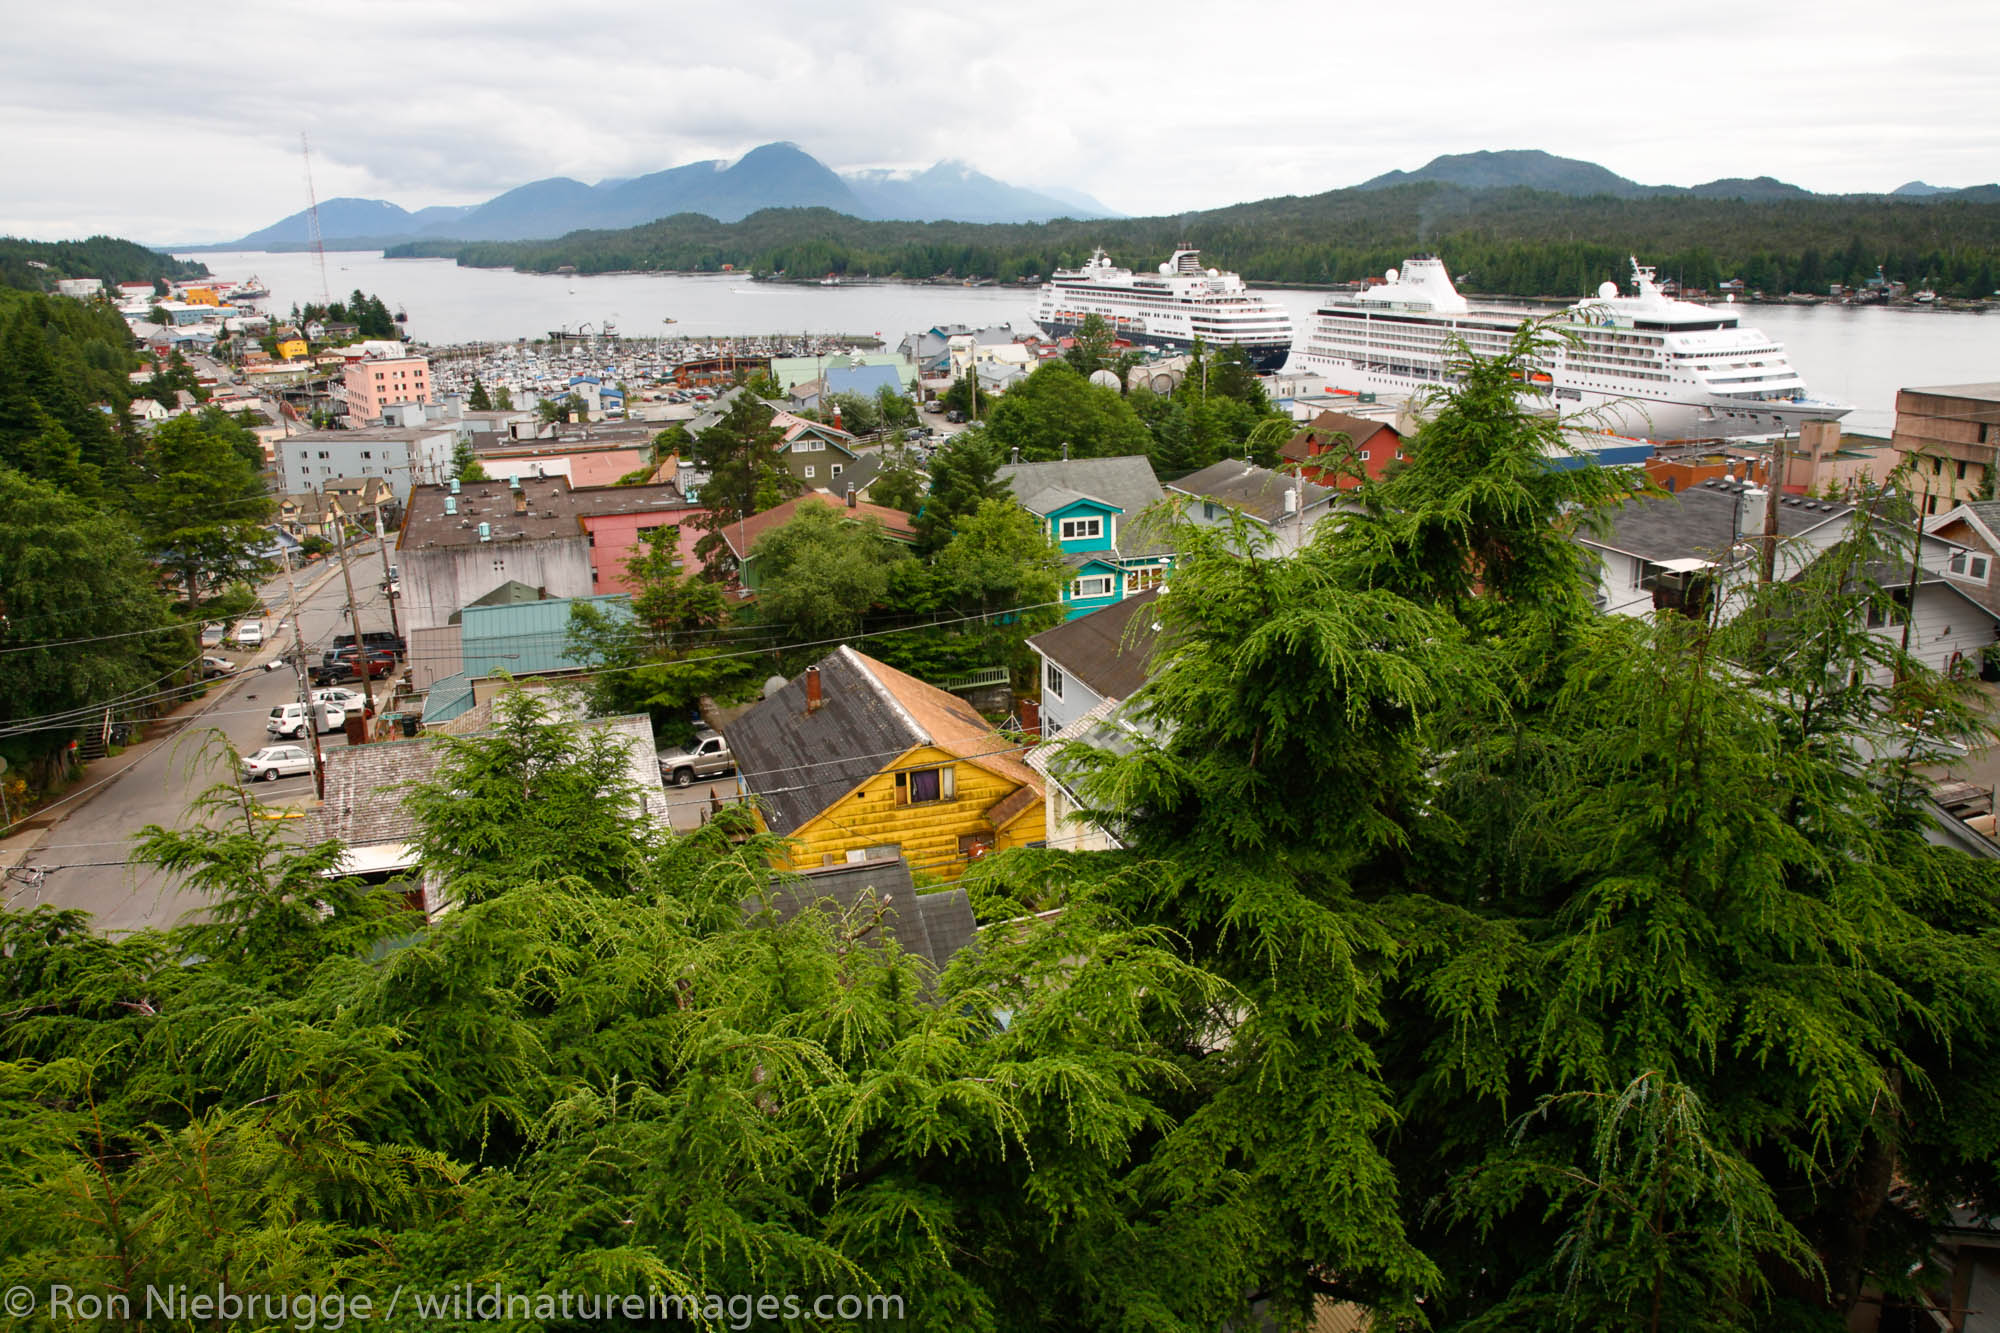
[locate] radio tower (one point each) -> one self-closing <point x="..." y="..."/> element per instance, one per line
<point x="312" y="222"/>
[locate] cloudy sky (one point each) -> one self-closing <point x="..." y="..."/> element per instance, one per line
<point x="181" y="123"/>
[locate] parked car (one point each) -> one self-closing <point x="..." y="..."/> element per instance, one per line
<point x="250" y="633"/>
<point x="293" y="719"/>
<point x="338" y="670"/>
<point x="213" y="633"/>
<point x="934" y="405"/>
<point x="276" y="761"/>
<point x="954" y="415"/>
<point x="351" y="700"/>
<point x="212" y="666"/>
<point x="708" y="757"/>
<point x="374" y="638"/>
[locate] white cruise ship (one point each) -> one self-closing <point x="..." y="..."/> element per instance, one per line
<point x="1171" y="308"/>
<point x="1644" y="364"/>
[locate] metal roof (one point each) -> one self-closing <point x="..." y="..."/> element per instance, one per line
<point x="522" y="638"/>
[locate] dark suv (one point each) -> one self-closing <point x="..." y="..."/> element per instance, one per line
<point x="374" y="638"/>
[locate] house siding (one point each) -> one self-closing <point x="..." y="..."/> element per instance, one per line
<point x="1106" y="538"/>
<point x="928" y="834"/>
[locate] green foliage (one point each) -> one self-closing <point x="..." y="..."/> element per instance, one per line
<point x="368" y="314"/>
<point x="965" y="473"/>
<point x="104" y="257"/>
<point x="554" y="411"/>
<point x="1056" y="407"/>
<point x="503" y="399"/>
<point x="1520" y="242"/>
<point x="204" y="506"/>
<point x="747" y="474"/>
<point x="1091" y="350"/>
<point x="820" y="573"/>
<point x="901" y="482"/>
<point x="465" y="464"/>
<point x="479" y="400"/>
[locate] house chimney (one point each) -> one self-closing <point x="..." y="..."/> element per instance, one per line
<point x="850" y="495"/>
<point x="1031" y="717"/>
<point x="812" y="689"/>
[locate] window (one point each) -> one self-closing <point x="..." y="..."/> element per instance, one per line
<point x="1055" y="683"/>
<point x="1364" y="455"/>
<point x="811" y="471"/>
<point x="1138" y="580"/>
<point x="972" y="846"/>
<point x="919" y="786"/>
<point x="1961" y="470"/>
<point x="1969" y="565"/>
<point x="1097" y="585"/>
<point x="1074" y="529"/>
<point x="834" y="471"/>
<point x="1208" y="509"/>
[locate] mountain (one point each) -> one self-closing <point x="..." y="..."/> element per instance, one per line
<point x="1529" y="167"/>
<point x="1736" y="187"/>
<point x="954" y="191"/>
<point x="1086" y="205"/>
<point x="777" y="175"/>
<point x="1918" y="188"/>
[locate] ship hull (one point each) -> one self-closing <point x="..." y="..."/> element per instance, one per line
<point x="1654" y="418"/>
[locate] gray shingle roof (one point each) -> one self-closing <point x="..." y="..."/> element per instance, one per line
<point x="933" y="925"/>
<point x="1256" y="491"/>
<point x="364" y="809"/>
<point x="1126" y="482"/>
<point x="798" y="763"/>
<point x="1697" y="523"/>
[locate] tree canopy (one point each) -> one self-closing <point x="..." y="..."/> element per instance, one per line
<point x="1056" y="408"/>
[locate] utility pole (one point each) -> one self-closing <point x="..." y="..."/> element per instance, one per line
<point x="361" y="662"/>
<point x="388" y="578"/>
<point x="305" y="688"/>
<point x="1916" y="555"/>
<point x="1769" y="568"/>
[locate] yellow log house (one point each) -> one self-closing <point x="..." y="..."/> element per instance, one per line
<point x="855" y="760"/>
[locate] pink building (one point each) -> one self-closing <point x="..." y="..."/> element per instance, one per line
<point x="615" y="516"/>
<point x="376" y="383"/>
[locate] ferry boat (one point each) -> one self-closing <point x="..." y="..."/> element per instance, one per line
<point x="1171" y="308"/>
<point x="1644" y="364"/>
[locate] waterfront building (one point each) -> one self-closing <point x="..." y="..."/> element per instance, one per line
<point x="374" y="383"/>
<point x="1949" y="434"/>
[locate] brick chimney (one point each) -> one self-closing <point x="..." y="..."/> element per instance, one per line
<point x="850" y="495"/>
<point x="813" y="699"/>
<point x="1031" y="716"/>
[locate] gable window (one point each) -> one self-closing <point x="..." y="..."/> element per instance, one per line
<point x="1076" y="528"/>
<point x="920" y="786"/>
<point x="1097" y="585"/>
<point x="1969" y="565"/>
<point x="1055" y="681"/>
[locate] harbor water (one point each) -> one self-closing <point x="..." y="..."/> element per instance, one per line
<point x="1856" y="354"/>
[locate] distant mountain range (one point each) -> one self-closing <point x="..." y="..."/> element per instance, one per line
<point x="1530" y="168"/>
<point x="777" y="175"/>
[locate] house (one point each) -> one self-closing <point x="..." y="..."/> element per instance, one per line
<point x="616" y="519"/>
<point x="1092" y="507"/>
<point x="307" y="514"/>
<point x="856" y="761"/>
<point x="742" y="537"/>
<point x="1950" y="436"/>
<point x="401" y="456"/>
<point x="813" y="451"/>
<point x="375" y="382"/>
<point x="1678" y="551"/>
<point x="1282" y="510"/>
<point x="148" y="409"/>
<point x="82" y="289"/>
<point x="1374" y="445"/>
<point x="1095" y="659"/>
<point x="1108" y="725"/>
<point x="364" y="809"/>
<point x="1972" y="532"/>
<point x="292" y="348"/>
<point x="498" y="641"/>
<point x="861" y="380"/>
<point x="934" y="926"/>
<point x="460" y="542"/>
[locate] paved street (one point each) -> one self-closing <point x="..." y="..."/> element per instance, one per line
<point x="99" y="827"/>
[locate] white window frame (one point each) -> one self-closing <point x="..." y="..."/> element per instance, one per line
<point x="1054" y="683"/>
<point x="1077" y="592"/>
<point x="1082" y="529"/>
<point x="1973" y="565"/>
<point x="811" y="471"/>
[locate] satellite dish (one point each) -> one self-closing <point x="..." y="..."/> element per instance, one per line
<point x="1215" y="273"/>
<point x="1166" y="268"/>
<point x="1606" y="290"/>
<point x="1389" y="275"/>
<point x="773" y="685"/>
<point x="1104" y="379"/>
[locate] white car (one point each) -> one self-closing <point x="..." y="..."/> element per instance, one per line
<point x="347" y="701"/>
<point x="212" y="634"/>
<point x="293" y="719"/>
<point x="276" y="761"/>
<point x="250" y="634"/>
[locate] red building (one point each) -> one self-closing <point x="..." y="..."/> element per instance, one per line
<point x="1375" y="445"/>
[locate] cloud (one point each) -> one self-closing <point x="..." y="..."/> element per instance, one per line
<point x="167" y="124"/>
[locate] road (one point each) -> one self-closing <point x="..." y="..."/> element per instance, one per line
<point x="99" y="828"/>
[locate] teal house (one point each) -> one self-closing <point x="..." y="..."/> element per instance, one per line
<point x="1096" y="511"/>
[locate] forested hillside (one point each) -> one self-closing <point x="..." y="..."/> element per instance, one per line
<point x="1520" y="242"/>
<point x="104" y="257"/>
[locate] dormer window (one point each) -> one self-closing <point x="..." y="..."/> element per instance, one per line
<point x="1076" y="529"/>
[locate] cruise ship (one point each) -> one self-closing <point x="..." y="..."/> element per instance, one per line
<point x="1644" y="364"/>
<point x="1171" y="308"/>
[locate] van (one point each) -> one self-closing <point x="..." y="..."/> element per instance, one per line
<point x="292" y="719"/>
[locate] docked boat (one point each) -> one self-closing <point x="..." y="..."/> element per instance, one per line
<point x="1170" y="309"/>
<point x="1641" y="364"/>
